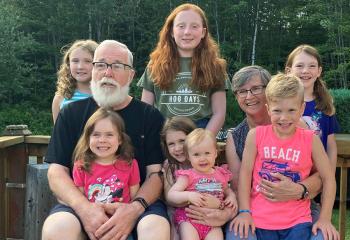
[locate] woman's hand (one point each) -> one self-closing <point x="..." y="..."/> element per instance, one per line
<point x="282" y="190"/>
<point x="240" y="225"/>
<point x="208" y="216"/>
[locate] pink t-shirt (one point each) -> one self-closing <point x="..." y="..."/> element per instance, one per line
<point x="213" y="183"/>
<point x="107" y="183"/>
<point x="290" y="157"/>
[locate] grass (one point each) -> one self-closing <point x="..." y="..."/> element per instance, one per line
<point x="335" y="219"/>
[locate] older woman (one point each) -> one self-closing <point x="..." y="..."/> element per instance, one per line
<point x="248" y="85"/>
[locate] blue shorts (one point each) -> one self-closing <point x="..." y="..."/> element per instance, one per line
<point x="301" y="231"/>
<point x="157" y="208"/>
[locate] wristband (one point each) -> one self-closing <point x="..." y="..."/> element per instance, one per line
<point x="141" y="201"/>
<point x="245" y="210"/>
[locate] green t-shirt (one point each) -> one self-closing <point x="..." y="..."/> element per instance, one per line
<point x="181" y="99"/>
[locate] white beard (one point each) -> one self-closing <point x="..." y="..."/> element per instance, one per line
<point x="108" y="97"/>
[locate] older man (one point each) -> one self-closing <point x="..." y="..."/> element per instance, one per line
<point x="111" y="76"/>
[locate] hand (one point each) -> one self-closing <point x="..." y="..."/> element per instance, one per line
<point x="231" y="203"/>
<point x="241" y="224"/>
<point x="197" y="199"/>
<point x="122" y="221"/>
<point x="283" y="190"/>
<point x="93" y="216"/>
<point x="328" y="230"/>
<point x="211" y="201"/>
<point x="208" y="216"/>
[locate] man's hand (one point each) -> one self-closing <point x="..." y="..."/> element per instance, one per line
<point x="122" y="221"/>
<point x="208" y="216"/>
<point x="93" y="216"/>
<point x="282" y="190"/>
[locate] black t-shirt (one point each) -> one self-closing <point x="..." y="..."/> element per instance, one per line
<point x="143" y="124"/>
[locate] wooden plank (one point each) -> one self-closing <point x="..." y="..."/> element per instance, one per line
<point x="40" y="139"/>
<point x="343" y="144"/>
<point x="39" y="200"/>
<point x="2" y="190"/>
<point x="342" y="201"/>
<point x="7" y="141"/>
<point x="15" y="189"/>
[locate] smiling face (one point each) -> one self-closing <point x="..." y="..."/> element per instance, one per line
<point x="175" y="143"/>
<point x="104" y="141"/>
<point x="306" y="67"/>
<point x="80" y="65"/>
<point x="285" y="114"/>
<point x="111" y="88"/>
<point x="252" y="105"/>
<point x="202" y="155"/>
<point x="188" y="31"/>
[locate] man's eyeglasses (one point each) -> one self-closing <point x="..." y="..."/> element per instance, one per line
<point x="116" y="67"/>
<point x="254" y="91"/>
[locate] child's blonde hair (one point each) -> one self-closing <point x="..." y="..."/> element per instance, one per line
<point x="284" y="86"/>
<point x="177" y="123"/>
<point x="82" y="151"/>
<point x="66" y="84"/>
<point x="196" y="137"/>
<point x="208" y="68"/>
<point x="323" y="99"/>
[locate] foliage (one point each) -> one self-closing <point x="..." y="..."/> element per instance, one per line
<point x="32" y="34"/>
<point x="39" y="121"/>
<point x="341" y="102"/>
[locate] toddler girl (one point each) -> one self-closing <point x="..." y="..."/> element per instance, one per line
<point x="192" y="185"/>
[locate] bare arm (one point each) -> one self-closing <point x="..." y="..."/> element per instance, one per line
<point x="92" y="215"/>
<point x="332" y="151"/>
<point x="244" y="220"/>
<point x="147" y="97"/>
<point x="218" y="106"/>
<point x="233" y="161"/>
<point x="56" y="103"/>
<point x="323" y="165"/>
<point x="133" y="190"/>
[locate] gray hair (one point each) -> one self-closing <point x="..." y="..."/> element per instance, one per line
<point x="246" y="73"/>
<point x="121" y="45"/>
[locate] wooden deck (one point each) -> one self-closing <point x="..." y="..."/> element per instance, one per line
<point x="14" y="157"/>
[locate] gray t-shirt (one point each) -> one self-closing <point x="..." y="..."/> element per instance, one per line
<point x="182" y="99"/>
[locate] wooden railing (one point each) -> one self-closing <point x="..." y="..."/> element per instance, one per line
<point x="18" y="151"/>
<point x="15" y="153"/>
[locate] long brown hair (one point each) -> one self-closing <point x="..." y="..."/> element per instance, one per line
<point x="82" y="151"/>
<point x="177" y="123"/>
<point x="208" y="68"/>
<point x="66" y="84"/>
<point x="323" y="99"/>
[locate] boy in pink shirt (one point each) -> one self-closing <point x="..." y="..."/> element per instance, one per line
<point x="284" y="148"/>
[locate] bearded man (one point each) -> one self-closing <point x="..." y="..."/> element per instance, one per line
<point x="77" y="218"/>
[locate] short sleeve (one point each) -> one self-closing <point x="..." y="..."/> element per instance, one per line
<point x="146" y="82"/>
<point x="134" y="173"/>
<point x="333" y="125"/>
<point x="78" y="174"/>
<point x="223" y="169"/>
<point x="184" y="172"/>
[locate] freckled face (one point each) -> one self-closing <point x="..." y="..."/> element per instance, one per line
<point x="188" y="31"/>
